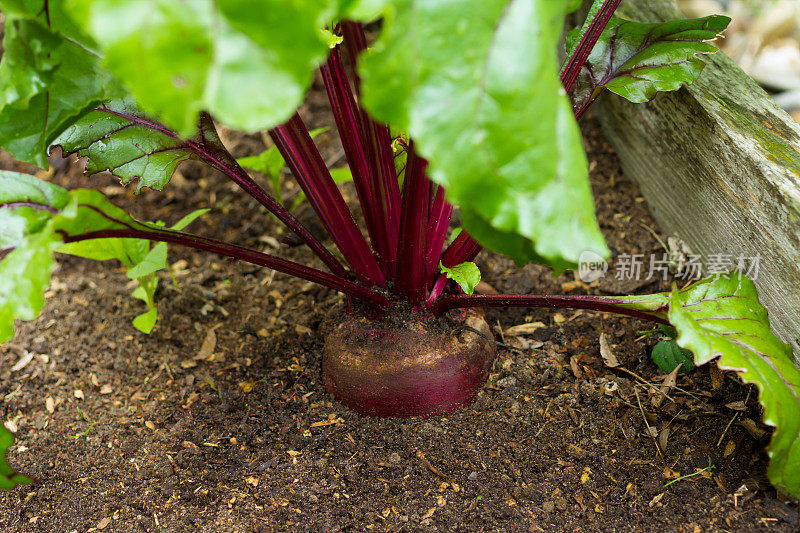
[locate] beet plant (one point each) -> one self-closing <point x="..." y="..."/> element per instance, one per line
<point x="456" y="105"/>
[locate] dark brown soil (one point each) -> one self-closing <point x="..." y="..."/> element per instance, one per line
<point x="129" y="432"/>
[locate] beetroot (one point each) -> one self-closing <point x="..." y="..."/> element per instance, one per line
<point x="421" y="368"/>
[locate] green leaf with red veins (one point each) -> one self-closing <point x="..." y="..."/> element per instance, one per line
<point x="638" y="60"/>
<point x="9" y="478"/>
<point x="117" y="139"/>
<point x="56" y="15"/>
<point x="27" y="65"/>
<point x="47" y="81"/>
<point x="721" y="318"/>
<point x="475" y="84"/>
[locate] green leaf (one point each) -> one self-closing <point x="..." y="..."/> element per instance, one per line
<point x="36" y="216"/>
<point x="146" y="292"/>
<point x="96" y="213"/>
<point x="16" y="224"/>
<point x="722" y="318"/>
<point x="9" y="478"/>
<point x="146" y="321"/>
<point x="25" y="271"/>
<point x="269" y="162"/>
<point x="668" y="355"/>
<point x="573" y="5"/>
<point x="24" y="275"/>
<point x="160" y="49"/>
<point x="55" y="15"/>
<point x="155" y="260"/>
<point x="188" y="219"/>
<point x="27" y="66"/>
<point x="330" y="38"/>
<point x="575" y="36"/>
<point x="45" y="106"/>
<point x="142" y="261"/>
<point x="475" y="84"/>
<point x="362" y="10"/>
<point x="116" y="139"/>
<point x="513" y="245"/>
<point x="467" y="275"/>
<point x="637" y="60"/>
<point x="180" y="57"/>
<point x="341" y="175"/>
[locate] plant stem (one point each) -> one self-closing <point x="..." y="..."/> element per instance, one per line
<point x="412" y="252"/>
<point x="578" y="58"/>
<point x="594" y="303"/>
<point x="464" y="248"/>
<point x="436" y="290"/>
<point x="303" y="158"/>
<point x="438" y="222"/>
<point x="386" y="190"/>
<point x="297" y="270"/>
<point x="378" y="151"/>
<point x="211" y="150"/>
<point x="355" y="41"/>
<point x="348" y="121"/>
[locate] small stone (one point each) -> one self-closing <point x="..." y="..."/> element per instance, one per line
<point x="506" y="382"/>
<point x="472" y="476"/>
<point x="561" y="503"/>
<point x="394" y="458"/>
<point x="549" y="507"/>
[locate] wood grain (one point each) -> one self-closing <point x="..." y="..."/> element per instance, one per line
<point x="719" y="164"/>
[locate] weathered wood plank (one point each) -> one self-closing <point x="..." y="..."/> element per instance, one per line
<point x="719" y="164"/>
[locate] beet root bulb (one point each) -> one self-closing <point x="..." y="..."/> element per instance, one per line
<point x="408" y="370"/>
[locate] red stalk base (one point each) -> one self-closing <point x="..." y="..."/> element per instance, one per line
<point x="415" y="369"/>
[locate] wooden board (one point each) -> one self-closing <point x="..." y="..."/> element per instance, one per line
<point x="719" y="164"/>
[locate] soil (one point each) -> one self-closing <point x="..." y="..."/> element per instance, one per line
<point x="218" y="420"/>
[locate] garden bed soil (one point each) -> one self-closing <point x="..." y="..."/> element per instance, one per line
<point x="218" y="420"/>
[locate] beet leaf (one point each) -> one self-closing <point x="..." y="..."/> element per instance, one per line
<point x="48" y="79"/>
<point x="721" y="318"/>
<point x="475" y="84"/>
<point x="637" y="60"/>
<point x="9" y="478"/>
<point x="180" y="57"/>
<point x="117" y="139"/>
<point x="467" y="275"/>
